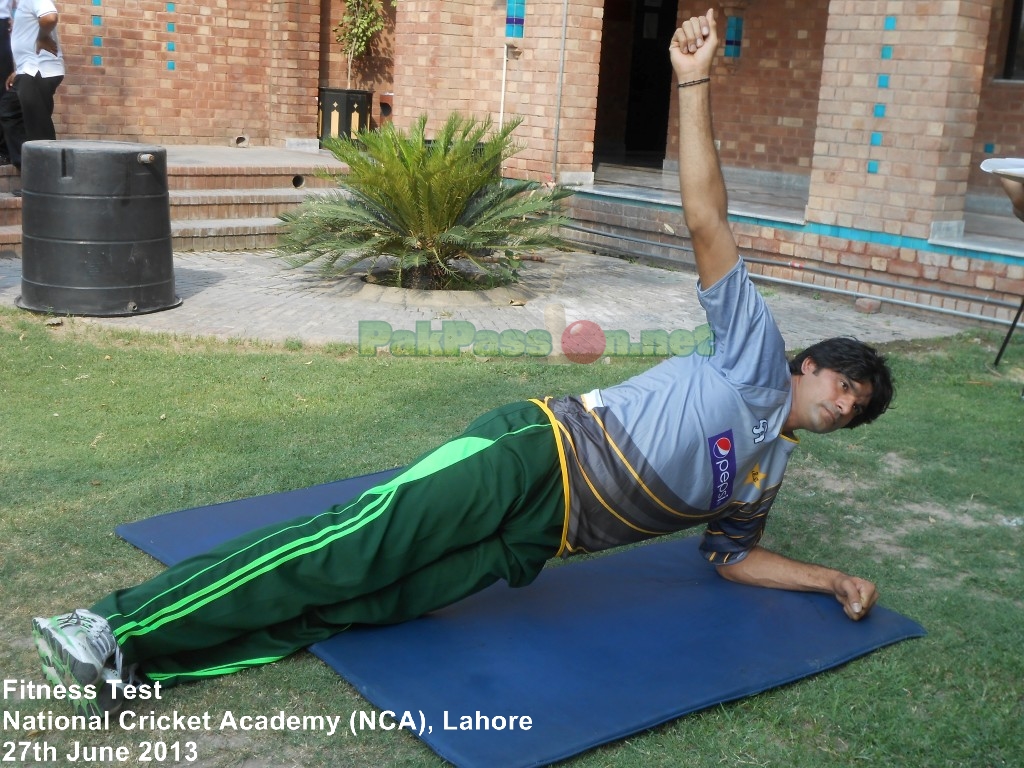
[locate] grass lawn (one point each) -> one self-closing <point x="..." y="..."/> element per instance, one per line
<point x="101" y="428"/>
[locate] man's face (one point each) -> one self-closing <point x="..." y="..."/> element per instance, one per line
<point x="826" y="400"/>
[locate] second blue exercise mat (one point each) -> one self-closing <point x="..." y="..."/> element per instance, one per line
<point x="592" y="652"/>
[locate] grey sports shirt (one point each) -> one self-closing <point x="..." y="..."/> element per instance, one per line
<point x="694" y="440"/>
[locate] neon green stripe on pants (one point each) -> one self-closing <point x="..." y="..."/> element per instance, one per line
<point x="445" y="456"/>
<point x="487" y="505"/>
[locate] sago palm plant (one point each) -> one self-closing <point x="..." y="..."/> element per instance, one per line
<point x="433" y="213"/>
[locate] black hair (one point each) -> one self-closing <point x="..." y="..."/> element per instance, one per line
<point x="859" y="362"/>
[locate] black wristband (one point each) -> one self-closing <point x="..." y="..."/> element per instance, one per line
<point x="695" y="82"/>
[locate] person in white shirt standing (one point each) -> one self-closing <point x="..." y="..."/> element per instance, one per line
<point x="38" y="71"/>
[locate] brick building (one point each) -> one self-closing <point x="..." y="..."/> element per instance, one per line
<point x="874" y="114"/>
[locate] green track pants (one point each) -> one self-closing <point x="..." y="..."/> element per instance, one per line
<point x="485" y="506"/>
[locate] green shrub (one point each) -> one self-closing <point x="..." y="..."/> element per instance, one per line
<point x="426" y="213"/>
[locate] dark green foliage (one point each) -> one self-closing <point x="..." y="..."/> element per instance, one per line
<point x="434" y="213"/>
<point x="361" y="22"/>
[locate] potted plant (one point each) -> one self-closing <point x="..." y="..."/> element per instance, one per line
<point x="346" y="111"/>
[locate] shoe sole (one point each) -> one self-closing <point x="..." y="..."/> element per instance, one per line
<point x="59" y="669"/>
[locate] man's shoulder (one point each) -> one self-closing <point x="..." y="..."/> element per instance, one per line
<point x="35" y="7"/>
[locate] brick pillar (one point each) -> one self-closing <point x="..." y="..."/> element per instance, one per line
<point x="450" y="56"/>
<point x="294" y="70"/>
<point x="897" y="113"/>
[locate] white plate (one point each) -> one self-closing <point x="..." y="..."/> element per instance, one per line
<point x="1010" y="167"/>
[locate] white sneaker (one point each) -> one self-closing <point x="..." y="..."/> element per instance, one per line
<point x="78" y="648"/>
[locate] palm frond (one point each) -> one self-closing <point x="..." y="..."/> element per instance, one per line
<point x="424" y="203"/>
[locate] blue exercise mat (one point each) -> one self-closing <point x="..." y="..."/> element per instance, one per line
<point x="593" y="651"/>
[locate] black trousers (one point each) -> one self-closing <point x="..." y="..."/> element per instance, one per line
<point x="26" y="112"/>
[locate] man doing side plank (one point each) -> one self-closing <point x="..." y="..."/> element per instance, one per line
<point x="692" y="441"/>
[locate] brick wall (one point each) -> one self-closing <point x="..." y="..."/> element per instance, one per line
<point x="898" y="110"/>
<point x="149" y="70"/>
<point x="766" y="100"/>
<point x="155" y="71"/>
<point x="449" y="56"/>
<point x="893" y="122"/>
<point x="846" y="262"/>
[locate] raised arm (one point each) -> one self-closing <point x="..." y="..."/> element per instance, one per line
<point x="701" y="185"/>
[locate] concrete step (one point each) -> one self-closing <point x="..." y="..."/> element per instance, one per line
<point x="10" y="211"/>
<point x="212" y="207"/>
<point x="188" y="205"/>
<point x="10" y="239"/>
<point x="228" y="234"/>
<point x="218" y="174"/>
<point x="233" y="234"/>
<point x="210" y="177"/>
<point x="9" y="178"/>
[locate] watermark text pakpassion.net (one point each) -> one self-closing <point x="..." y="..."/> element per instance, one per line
<point x="582" y="341"/>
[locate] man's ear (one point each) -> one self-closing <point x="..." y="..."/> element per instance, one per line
<point x="808" y="366"/>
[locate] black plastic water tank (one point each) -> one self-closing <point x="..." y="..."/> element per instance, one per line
<point x="96" y="229"/>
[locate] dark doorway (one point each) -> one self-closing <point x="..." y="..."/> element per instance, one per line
<point x="636" y="81"/>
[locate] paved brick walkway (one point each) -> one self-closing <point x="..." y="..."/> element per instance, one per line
<point x="253" y="295"/>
